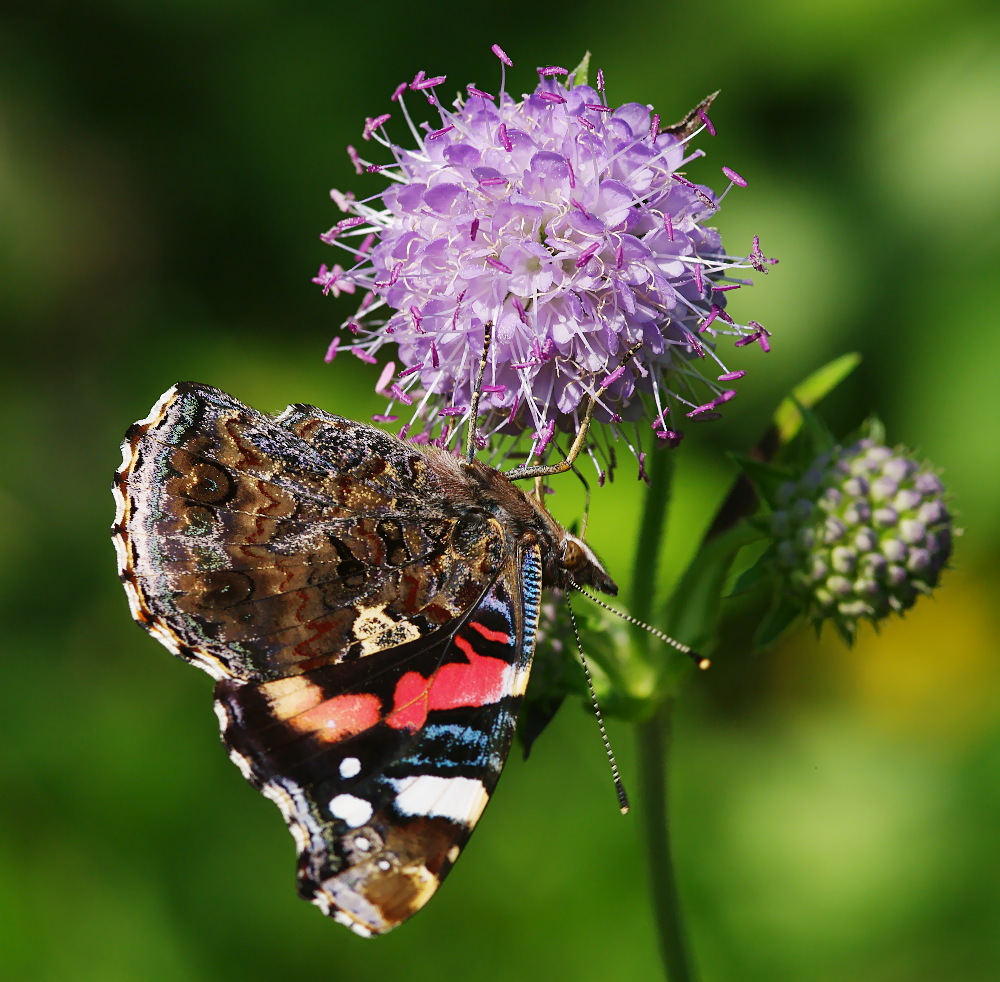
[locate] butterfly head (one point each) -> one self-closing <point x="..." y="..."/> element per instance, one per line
<point x="578" y="566"/>
<point x="477" y="491"/>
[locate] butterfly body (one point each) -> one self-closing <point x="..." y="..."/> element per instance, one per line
<point x="368" y="611"/>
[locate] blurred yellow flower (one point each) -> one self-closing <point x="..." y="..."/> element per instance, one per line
<point x="935" y="672"/>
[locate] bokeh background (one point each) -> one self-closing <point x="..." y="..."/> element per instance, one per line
<point x="164" y="168"/>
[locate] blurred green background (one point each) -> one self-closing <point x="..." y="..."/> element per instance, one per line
<point x="164" y="168"/>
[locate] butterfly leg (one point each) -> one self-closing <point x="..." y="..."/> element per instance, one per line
<point x="546" y="470"/>
<point x="470" y="441"/>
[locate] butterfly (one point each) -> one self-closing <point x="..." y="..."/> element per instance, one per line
<point x="367" y="608"/>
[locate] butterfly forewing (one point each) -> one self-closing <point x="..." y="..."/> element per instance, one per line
<point x="254" y="553"/>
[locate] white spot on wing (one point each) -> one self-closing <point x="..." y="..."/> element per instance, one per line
<point x="461" y="799"/>
<point x="376" y="630"/>
<point x="222" y="714"/>
<point x="354" y="811"/>
<point x="350" y="767"/>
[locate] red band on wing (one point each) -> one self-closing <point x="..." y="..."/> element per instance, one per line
<point x="340" y="717"/>
<point x="479" y="683"/>
<point x="498" y="636"/>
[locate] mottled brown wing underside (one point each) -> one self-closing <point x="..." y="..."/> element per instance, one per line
<point x="258" y="547"/>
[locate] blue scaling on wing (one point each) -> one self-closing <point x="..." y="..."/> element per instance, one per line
<point x="452" y="748"/>
<point x="531" y="595"/>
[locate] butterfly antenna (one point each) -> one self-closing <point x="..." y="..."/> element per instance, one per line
<point x="616" y="777"/>
<point x="700" y="660"/>
<point x="470" y="440"/>
<point x="545" y="470"/>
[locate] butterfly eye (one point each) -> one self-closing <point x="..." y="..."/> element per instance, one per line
<point x="468" y="531"/>
<point x="573" y="556"/>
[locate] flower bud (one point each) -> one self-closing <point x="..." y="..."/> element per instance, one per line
<point x="863" y="533"/>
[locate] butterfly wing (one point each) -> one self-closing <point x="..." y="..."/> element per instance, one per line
<point x="257" y="547"/>
<point x="381" y="767"/>
<point x="370" y="641"/>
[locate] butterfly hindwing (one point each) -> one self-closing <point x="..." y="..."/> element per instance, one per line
<point x="382" y="766"/>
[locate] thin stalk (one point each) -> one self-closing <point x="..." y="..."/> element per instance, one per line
<point x="654" y="763"/>
<point x="654" y="737"/>
<point x="647" y="552"/>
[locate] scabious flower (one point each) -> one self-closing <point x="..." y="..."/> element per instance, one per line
<point x="862" y="534"/>
<point x="565" y="224"/>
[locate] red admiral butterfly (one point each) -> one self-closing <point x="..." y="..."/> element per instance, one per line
<point x="368" y="611"/>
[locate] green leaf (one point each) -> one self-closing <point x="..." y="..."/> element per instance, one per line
<point x="581" y="73"/>
<point x="778" y="619"/>
<point x="756" y="573"/>
<point x="534" y="719"/>
<point x="846" y="631"/>
<point x="766" y="477"/>
<point x="788" y="416"/>
<point x="693" y="612"/>
<point x="819" y="438"/>
<point x="874" y="429"/>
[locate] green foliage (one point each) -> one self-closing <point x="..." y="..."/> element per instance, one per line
<point x="789" y="416"/>
<point x="581" y="74"/>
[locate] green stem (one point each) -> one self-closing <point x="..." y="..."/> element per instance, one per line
<point x="654" y="735"/>
<point x="654" y="761"/>
<point x="647" y="553"/>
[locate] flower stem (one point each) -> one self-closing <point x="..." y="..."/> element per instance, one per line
<point x="654" y="760"/>
<point x="653" y="737"/>
<point x="647" y="552"/>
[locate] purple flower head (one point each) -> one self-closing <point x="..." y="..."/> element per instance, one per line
<point x="568" y="226"/>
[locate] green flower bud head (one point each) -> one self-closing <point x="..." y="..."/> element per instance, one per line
<point x="861" y="534"/>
